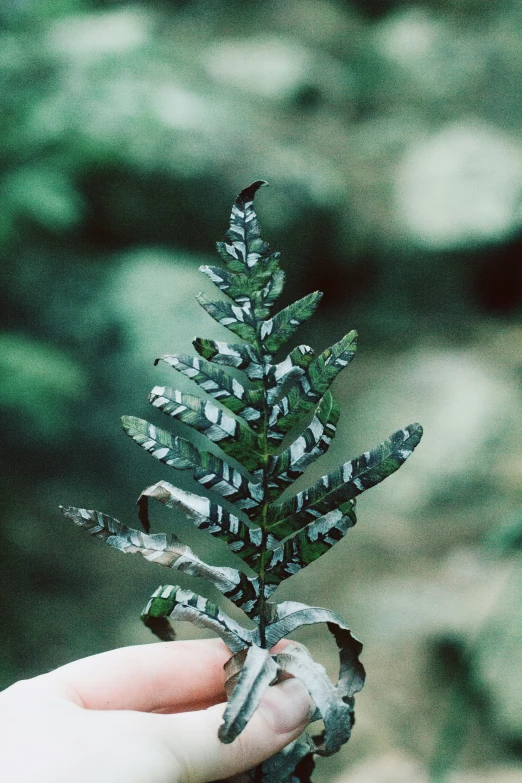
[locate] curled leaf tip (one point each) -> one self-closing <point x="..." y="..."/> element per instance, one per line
<point x="248" y="193"/>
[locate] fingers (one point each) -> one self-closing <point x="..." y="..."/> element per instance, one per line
<point x="199" y="756"/>
<point x="163" y="677"/>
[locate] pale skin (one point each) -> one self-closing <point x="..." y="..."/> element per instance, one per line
<point x="143" y="714"/>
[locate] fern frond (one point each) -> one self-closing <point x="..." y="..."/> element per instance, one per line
<point x="234" y="437"/>
<point x="260" y="422"/>
<point x="259" y="670"/>
<point x="275" y="332"/>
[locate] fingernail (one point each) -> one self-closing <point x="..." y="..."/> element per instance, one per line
<point x="287" y="706"/>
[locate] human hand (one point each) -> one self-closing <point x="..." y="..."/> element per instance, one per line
<point x="144" y="714"/>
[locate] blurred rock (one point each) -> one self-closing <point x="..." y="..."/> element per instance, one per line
<point x="270" y="67"/>
<point x="88" y="37"/>
<point x="461" y="187"/>
<point x="399" y="768"/>
<point x="438" y="57"/>
<point x="469" y="408"/>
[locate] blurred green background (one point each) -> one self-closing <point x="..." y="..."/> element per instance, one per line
<point x="391" y="134"/>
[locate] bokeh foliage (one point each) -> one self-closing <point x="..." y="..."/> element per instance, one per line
<point x="390" y="133"/>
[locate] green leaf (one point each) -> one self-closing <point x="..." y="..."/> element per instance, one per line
<point x="242" y="540"/>
<point x="236" y="318"/>
<point x="307" y="545"/>
<point x="275" y="331"/>
<point x="244" y="247"/>
<point x="277" y="375"/>
<point x="310" y="387"/>
<point x="235" y="355"/>
<point x="218" y="384"/>
<point x="352" y="478"/>
<point x="210" y="471"/>
<point x="261" y="287"/>
<point x="234" y="437"/>
<point x="286" y="467"/>
<point x="175" y="603"/>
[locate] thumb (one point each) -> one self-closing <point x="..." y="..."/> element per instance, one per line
<point x="191" y="738"/>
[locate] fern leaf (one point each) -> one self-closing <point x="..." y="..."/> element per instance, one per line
<point x="291" y="615"/>
<point x="233" y="437"/>
<point x="275" y="331"/>
<point x="243" y="246"/>
<point x="235" y="355"/>
<point x="276" y="376"/>
<point x="242" y="540"/>
<point x="307" y="545"/>
<point x="263" y="288"/>
<point x="218" y="384"/>
<point x="210" y="471"/>
<point x="352" y="478"/>
<point x="166" y="550"/>
<point x="282" y="767"/>
<point x="311" y="386"/>
<point x="175" y="603"/>
<point x="284" y="468"/>
<point x="233" y="284"/>
<point x="236" y="318"/>
<point x="259" y="670"/>
<point x="335" y="712"/>
<point x="274" y="287"/>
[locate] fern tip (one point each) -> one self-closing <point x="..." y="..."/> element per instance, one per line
<point x="248" y="193"/>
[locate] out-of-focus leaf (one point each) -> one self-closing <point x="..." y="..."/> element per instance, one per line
<point x="38" y="381"/>
<point x="506" y="536"/>
<point x="44" y="194"/>
<point x="496" y="658"/>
